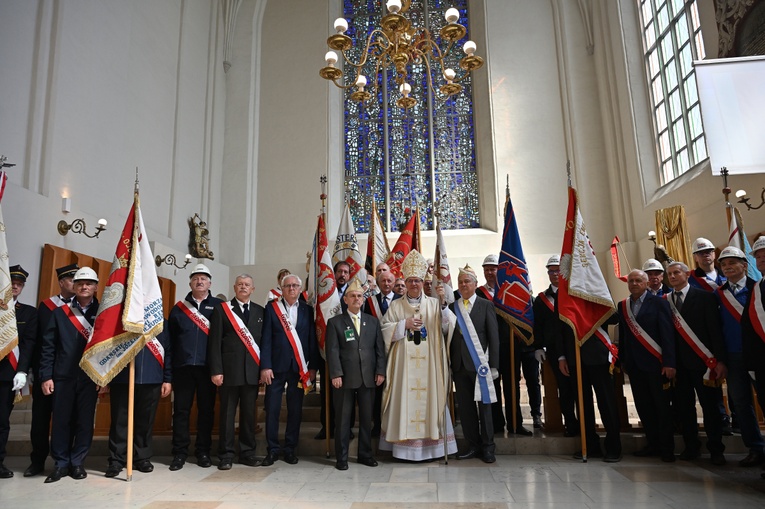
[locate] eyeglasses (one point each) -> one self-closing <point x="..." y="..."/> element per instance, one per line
<point x="294" y="285"/>
<point x="553" y="271"/>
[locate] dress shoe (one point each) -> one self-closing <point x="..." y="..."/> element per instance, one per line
<point x="250" y="461"/>
<point x="538" y="424"/>
<point x="177" y="463"/>
<point x="488" y="457"/>
<point x="289" y="457"/>
<point x="718" y="460"/>
<point x="34" y="469"/>
<point x="78" y="473"/>
<point x="5" y="473"/>
<point x="269" y="459"/>
<point x="612" y="457"/>
<point x="752" y="460"/>
<point x="203" y="460"/>
<point x="113" y="470"/>
<point x="668" y="457"/>
<point x="370" y="462"/>
<point x="520" y="430"/>
<point x="592" y="453"/>
<point x="470" y="453"/>
<point x="645" y="452"/>
<point x="341" y="465"/>
<point x="144" y="466"/>
<point x="690" y="455"/>
<point x="56" y="475"/>
<point x="224" y="464"/>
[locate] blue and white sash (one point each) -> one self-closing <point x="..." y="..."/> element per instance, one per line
<point x="484" y="385"/>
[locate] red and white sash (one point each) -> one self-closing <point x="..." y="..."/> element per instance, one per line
<point x="194" y="315"/>
<point x="274" y="293"/>
<point x="13" y="358"/>
<point x="242" y="331"/>
<point x="486" y="293"/>
<point x="613" y="351"/>
<point x="640" y="334"/>
<point x="373" y="307"/>
<point x="157" y="350"/>
<point x="733" y="306"/>
<point x="79" y="321"/>
<point x="548" y="300"/>
<point x="690" y="337"/>
<point x="704" y="283"/>
<point x="54" y="302"/>
<point x="756" y="310"/>
<point x="294" y="339"/>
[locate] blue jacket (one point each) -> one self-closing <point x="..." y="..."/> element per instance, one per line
<point x="275" y="349"/>
<point x="63" y="345"/>
<point x="730" y="325"/>
<point x="147" y="367"/>
<point x="189" y="343"/>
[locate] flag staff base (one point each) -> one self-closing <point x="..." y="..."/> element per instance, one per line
<point x="131" y="408"/>
<point x="582" y="432"/>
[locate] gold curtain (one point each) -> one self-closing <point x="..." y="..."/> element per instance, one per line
<point x="672" y="232"/>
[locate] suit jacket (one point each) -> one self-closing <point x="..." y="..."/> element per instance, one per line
<point x="275" y="349"/>
<point x="548" y="326"/>
<point x="655" y="318"/>
<point x="355" y="357"/>
<point x="226" y="354"/>
<point x="63" y="346"/>
<point x="44" y="314"/>
<point x="188" y="340"/>
<point x="379" y="297"/>
<point x="484" y="319"/>
<point x="148" y="371"/>
<point x="26" y="324"/>
<point x="592" y="352"/>
<point x="753" y="344"/>
<point x="700" y="310"/>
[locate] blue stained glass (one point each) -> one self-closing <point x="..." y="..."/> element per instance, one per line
<point x="423" y="157"/>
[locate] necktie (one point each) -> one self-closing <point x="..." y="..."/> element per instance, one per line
<point x="246" y="313"/>
<point x="734" y="288"/>
<point x="466" y="303"/>
<point x="384" y="305"/>
<point x="679" y="300"/>
<point x="355" y="323"/>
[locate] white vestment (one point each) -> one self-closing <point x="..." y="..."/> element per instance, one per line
<point x="414" y="413"/>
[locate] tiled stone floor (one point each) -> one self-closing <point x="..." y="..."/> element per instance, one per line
<point x="514" y="481"/>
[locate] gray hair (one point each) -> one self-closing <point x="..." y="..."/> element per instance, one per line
<point x="300" y="281"/>
<point x="244" y="276"/>
<point x="640" y="273"/>
<point x="683" y="266"/>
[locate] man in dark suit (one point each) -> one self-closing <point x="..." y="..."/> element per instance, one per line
<point x="697" y="322"/>
<point x="385" y="280"/>
<point x="42" y="405"/>
<point x="15" y="366"/>
<point x="234" y="356"/>
<point x="647" y="353"/>
<point x="356" y="357"/>
<point x="288" y="329"/>
<point x="472" y="366"/>
<point x="74" y="393"/>
<point x="548" y="327"/>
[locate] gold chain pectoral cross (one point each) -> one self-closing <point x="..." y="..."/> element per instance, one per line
<point x="418" y="419"/>
<point x="418" y="389"/>
<point x="417" y="357"/>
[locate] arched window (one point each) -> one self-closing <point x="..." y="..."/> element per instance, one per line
<point x="396" y="159"/>
<point x="671" y="41"/>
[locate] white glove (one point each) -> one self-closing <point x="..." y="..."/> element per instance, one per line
<point x="539" y="355"/>
<point x="494" y="373"/>
<point x="19" y="381"/>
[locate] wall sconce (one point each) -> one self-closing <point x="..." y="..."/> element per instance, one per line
<point x="741" y="195"/>
<point x="78" y="226"/>
<point x="171" y="260"/>
<point x="652" y="237"/>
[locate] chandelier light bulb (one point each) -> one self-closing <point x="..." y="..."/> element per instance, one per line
<point x="405" y="89"/>
<point x="393" y="6"/>
<point x="452" y="15"/>
<point x="361" y="81"/>
<point x="740" y="193"/>
<point x="469" y="48"/>
<point x="341" y="25"/>
<point x="449" y="74"/>
<point x="331" y="58"/>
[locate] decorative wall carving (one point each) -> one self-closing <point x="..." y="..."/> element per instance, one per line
<point x="729" y="15"/>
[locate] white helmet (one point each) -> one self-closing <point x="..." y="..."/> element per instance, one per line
<point x="758" y="244"/>
<point x="201" y="269"/>
<point x="554" y="260"/>
<point x="732" y="252"/>
<point x="702" y="244"/>
<point x="85" y="274"/>
<point x="652" y="264"/>
<point x="491" y="259"/>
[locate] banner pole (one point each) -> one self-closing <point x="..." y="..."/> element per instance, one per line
<point x="325" y="390"/>
<point x="131" y="408"/>
<point x="514" y="378"/>
<point x="582" y="432"/>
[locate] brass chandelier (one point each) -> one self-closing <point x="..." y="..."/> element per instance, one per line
<point x="397" y="44"/>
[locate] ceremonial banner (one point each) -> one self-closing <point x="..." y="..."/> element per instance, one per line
<point x="130" y="312"/>
<point x="442" y="273"/>
<point x="321" y="284"/>
<point x="347" y="248"/>
<point x="584" y="301"/>
<point x="737" y="238"/>
<point x="377" y="243"/>
<point x="512" y="297"/>
<point x="615" y="260"/>
<point x="408" y="240"/>
<point x="9" y="336"/>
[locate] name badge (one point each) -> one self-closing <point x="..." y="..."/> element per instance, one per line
<point x="350" y="335"/>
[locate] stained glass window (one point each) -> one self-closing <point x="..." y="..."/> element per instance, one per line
<point x="671" y="41"/>
<point x="396" y="159"/>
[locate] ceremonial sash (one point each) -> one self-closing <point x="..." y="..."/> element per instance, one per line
<point x="704" y="283"/>
<point x="757" y="312"/>
<point x="243" y="332"/>
<point x="484" y="386"/>
<point x="294" y="339"/>
<point x="13" y="358"/>
<point x="274" y="293"/>
<point x="486" y="293"/>
<point x="548" y="300"/>
<point x="54" y="302"/>
<point x="640" y="334"/>
<point x="733" y="306"/>
<point x="194" y="315"/>
<point x="79" y="321"/>
<point x="602" y="335"/>
<point x="157" y="350"/>
<point x="373" y="307"/>
<point x="690" y="337"/>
